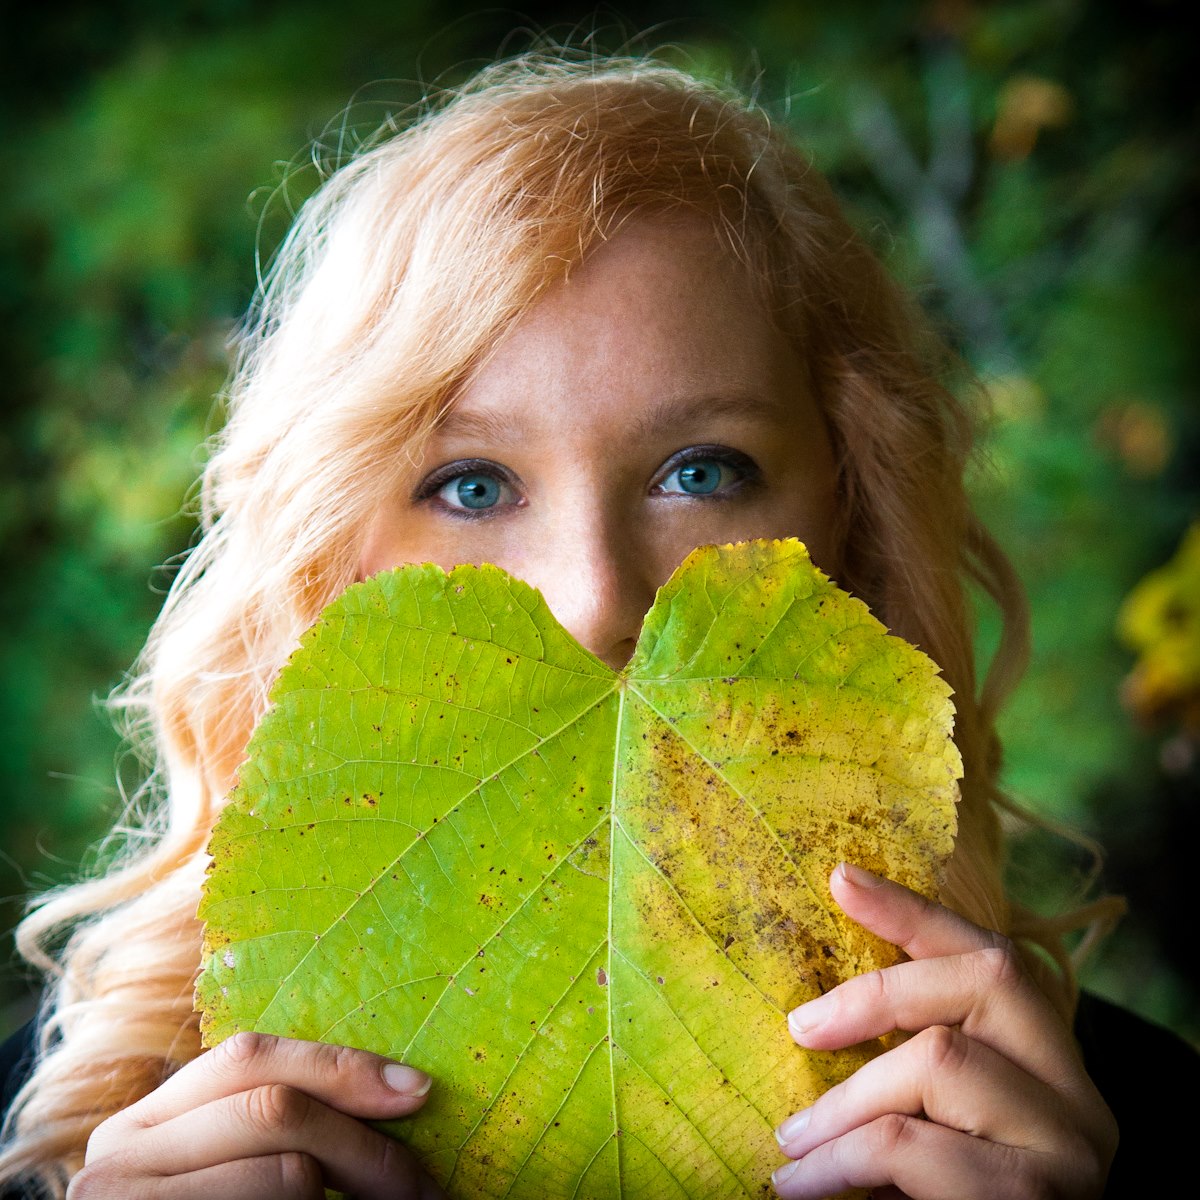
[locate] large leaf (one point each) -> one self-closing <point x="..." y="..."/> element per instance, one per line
<point x="583" y="900"/>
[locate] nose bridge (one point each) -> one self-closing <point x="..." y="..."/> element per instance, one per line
<point x="599" y="584"/>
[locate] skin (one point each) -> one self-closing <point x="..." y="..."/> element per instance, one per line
<point x="988" y="1100"/>
<point x="642" y="408"/>
<point x="262" y="1117"/>
<point x="655" y="346"/>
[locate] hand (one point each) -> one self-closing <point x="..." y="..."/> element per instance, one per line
<point x="988" y="1100"/>
<point x="262" y="1118"/>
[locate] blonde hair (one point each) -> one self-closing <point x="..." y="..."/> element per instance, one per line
<point x="395" y="280"/>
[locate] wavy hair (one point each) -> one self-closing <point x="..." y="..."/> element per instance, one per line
<point x="397" y="277"/>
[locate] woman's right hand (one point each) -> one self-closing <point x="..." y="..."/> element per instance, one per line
<point x="262" y="1118"/>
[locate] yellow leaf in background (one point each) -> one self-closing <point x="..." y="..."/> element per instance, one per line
<point x="1027" y="104"/>
<point x="1160" y="620"/>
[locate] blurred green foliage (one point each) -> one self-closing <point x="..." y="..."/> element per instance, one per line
<point x="1028" y="167"/>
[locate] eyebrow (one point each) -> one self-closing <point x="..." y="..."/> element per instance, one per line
<point x="662" y="416"/>
<point x="667" y="414"/>
<point x="499" y="428"/>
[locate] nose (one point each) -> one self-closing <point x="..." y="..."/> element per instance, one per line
<point x="599" y="584"/>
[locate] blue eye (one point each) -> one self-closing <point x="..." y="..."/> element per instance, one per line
<point x="474" y="491"/>
<point x="699" y="477"/>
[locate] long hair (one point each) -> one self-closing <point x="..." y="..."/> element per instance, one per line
<point x="396" y="279"/>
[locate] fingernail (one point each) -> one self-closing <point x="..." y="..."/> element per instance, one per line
<point x="793" y="1127"/>
<point x="808" y="1016"/>
<point x="785" y="1173"/>
<point x="408" y="1081"/>
<point x="858" y="877"/>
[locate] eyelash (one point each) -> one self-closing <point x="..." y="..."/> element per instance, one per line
<point x="433" y="483"/>
<point x="747" y="470"/>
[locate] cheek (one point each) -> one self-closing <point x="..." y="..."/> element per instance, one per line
<point x="813" y="519"/>
<point x="797" y="499"/>
<point x="418" y="535"/>
<point x="396" y="538"/>
<point x="374" y="554"/>
<point x="807" y="514"/>
<point x="390" y="542"/>
<point x="803" y="503"/>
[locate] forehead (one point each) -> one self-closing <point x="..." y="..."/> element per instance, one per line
<point x="659" y="317"/>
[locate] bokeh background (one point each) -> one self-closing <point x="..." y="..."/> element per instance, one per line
<point x="1028" y="167"/>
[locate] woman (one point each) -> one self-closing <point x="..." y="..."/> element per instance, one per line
<point x="577" y="322"/>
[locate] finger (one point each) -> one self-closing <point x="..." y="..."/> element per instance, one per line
<point x="274" y="1120"/>
<point x="945" y="1076"/>
<point x="290" y="1176"/>
<point x="990" y="993"/>
<point x="922" y="928"/>
<point x="355" y="1081"/>
<point x="280" y="1176"/>
<point x="924" y="1160"/>
<point x="985" y="992"/>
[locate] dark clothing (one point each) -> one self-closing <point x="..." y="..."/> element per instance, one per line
<point x="16" y="1059"/>
<point x="1148" y="1077"/>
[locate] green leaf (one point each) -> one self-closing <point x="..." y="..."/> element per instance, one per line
<point x="583" y="900"/>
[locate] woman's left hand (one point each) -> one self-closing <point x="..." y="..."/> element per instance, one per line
<point x="989" y="1100"/>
